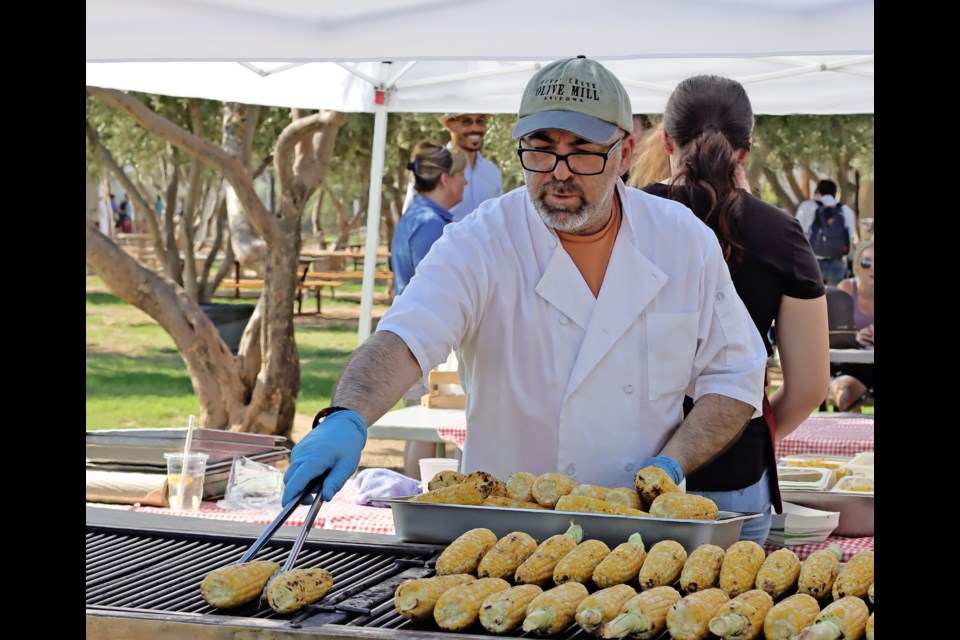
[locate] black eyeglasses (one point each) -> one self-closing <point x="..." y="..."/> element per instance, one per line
<point x="866" y="263"/>
<point x="469" y="122"/>
<point x="583" y="163"/>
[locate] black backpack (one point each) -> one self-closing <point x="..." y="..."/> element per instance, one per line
<point x="829" y="236"/>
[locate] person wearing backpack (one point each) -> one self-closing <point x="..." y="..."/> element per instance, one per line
<point x="831" y="228"/>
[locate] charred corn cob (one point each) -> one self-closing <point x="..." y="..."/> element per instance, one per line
<point x="663" y="564"/>
<point x="742" y="618"/>
<point x="624" y="496"/>
<point x="416" y="599"/>
<point x="788" y="617"/>
<point x="464" y="554"/>
<point x="497" y="487"/>
<point x="505" y="556"/>
<point x="445" y="478"/>
<point x="538" y="568"/>
<point x="650" y="482"/>
<point x="844" y="619"/>
<point x="550" y="487"/>
<point x="702" y="568"/>
<point x="869" y="627"/>
<point x="236" y="584"/>
<point x="459" y="607"/>
<point x="819" y="571"/>
<point x="578" y="565"/>
<point x="689" y="619"/>
<point x="464" y="493"/>
<point x="602" y="606"/>
<point x="644" y="616"/>
<point x="684" y="506"/>
<point x="293" y="590"/>
<point x="778" y="573"/>
<point x="870" y="593"/>
<point x="520" y="486"/>
<point x="741" y="563"/>
<point x="504" y="611"/>
<point x="855" y="577"/>
<point x="590" y="491"/>
<point x="622" y="565"/>
<point x="500" y="501"/>
<point x="583" y="504"/>
<point x="553" y="611"/>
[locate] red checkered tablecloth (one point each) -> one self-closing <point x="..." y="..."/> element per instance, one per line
<point x="827" y="436"/>
<point x="454" y="433"/>
<point x="849" y="546"/>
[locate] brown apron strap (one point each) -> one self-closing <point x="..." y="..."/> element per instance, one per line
<point x="771" y="456"/>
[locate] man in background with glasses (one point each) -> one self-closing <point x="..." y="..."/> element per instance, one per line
<point x="582" y="312"/>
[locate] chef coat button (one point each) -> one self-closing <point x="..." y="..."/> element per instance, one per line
<point x="628" y="388"/>
<point x="719" y="295"/>
<point x="563" y="320"/>
<point x="570" y="470"/>
<point x="628" y="466"/>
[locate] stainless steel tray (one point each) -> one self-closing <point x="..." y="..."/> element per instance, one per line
<point x="856" y="511"/>
<point x="147" y="446"/>
<point x="442" y="523"/>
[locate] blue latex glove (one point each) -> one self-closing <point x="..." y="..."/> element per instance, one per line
<point x="668" y="464"/>
<point x="334" y="444"/>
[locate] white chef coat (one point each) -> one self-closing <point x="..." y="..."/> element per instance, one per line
<point x="558" y="380"/>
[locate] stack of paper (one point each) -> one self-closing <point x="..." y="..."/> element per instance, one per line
<point x="801" y="525"/>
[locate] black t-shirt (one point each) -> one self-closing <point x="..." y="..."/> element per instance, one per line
<point x="777" y="261"/>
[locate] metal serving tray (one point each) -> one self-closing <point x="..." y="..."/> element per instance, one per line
<point x="856" y="511"/>
<point x="442" y="523"/>
<point x="146" y="446"/>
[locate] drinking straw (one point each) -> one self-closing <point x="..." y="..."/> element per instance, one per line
<point x="181" y="485"/>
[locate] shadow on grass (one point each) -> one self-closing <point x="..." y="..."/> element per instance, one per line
<point x="102" y="298"/>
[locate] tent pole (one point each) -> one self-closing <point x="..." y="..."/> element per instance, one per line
<point x="373" y="213"/>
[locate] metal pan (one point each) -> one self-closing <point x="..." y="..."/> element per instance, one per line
<point x="442" y="523"/>
<point x="856" y="511"/>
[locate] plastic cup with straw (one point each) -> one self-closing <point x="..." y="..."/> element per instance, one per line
<point x="189" y="465"/>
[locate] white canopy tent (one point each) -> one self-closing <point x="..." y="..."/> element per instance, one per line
<point x="793" y="56"/>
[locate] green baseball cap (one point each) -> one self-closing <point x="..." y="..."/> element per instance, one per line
<point x="578" y="95"/>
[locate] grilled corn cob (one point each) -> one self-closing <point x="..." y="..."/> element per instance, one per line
<point x="778" y="573"/>
<point x="684" y="506"/>
<point x="464" y="493"/>
<point x="293" y="590"/>
<point x="445" y="478"/>
<point x="459" y="607"/>
<point x="870" y="593"/>
<point x="622" y="565"/>
<point x="788" y="617"/>
<point x="578" y="565"/>
<point x="741" y="563"/>
<point x="497" y="487"/>
<point x="650" y="482"/>
<point x="702" y="568"/>
<point x="602" y="606"/>
<point x="590" y="491"/>
<point x="236" y="584"/>
<point x="819" y="571"/>
<point x="689" y="618"/>
<point x="550" y="487"/>
<point x="844" y="619"/>
<point x="505" y="556"/>
<point x="504" y="611"/>
<point x="742" y="618"/>
<point x="520" y="486"/>
<point x="855" y="577"/>
<point x="538" y="568"/>
<point x="663" y="564"/>
<point x="464" y="554"/>
<point x="583" y="504"/>
<point x="644" y="616"/>
<point x="869" y="627"/>
<point x="624" y="496"/>
<point x="500" y="501"/>
<point x="415" y="599"/>
<point x="553" y="611"/>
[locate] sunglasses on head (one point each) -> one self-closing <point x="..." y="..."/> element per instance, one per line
<point x="866" y="263"/>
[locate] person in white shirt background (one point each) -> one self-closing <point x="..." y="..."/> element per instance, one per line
<point x="833" y="269"/>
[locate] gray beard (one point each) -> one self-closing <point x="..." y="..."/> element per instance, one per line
<point x="567" y="219"/>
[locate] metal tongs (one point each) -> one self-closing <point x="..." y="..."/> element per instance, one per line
<point x="312" y="487"/>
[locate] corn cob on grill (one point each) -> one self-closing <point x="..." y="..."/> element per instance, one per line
<point x="553" y="611"/>
<point x="684" y="506"/>
<point x="819" y="571"/>
<point x="651" y="482"/>
<point x="500" y="501"/>
<point x="663" y="564"/>
<point x="742" y="618"/>
<point x="416" y="599"/>
<point x="590" y="491"/>
<point x="602" y="606"/>
<point x="644" y="616"/>
<point x="625" y="497"/>
<point x="622" y="565"/>
<point x="459" y="607"/>
<point x="236" y="584"/>
<point x="464" y="554"/>
<point x="473" y="493"/>
<point x="505" y="556"/>
<point x="778" y="573"/>
<point x="504" y="611"/>
<point x="741" y="563"/>
<point x="445" y="478"/>
<point x="855" y="577"/>
<point x="583" y="504"/>
<point x="520" y="486"/>
<point x="550" y="487"/>
<point x="702" y="568"/>
<point x="843" y="619"/>
<point x="578" y="565"/>
<point x="869" y="628"/>
<point x="689" y="618"/>
<point x="788" y="617"/>
<point x="497" y="487"/>
<point x="293" y="590"/>
<point x="538" y="568"/>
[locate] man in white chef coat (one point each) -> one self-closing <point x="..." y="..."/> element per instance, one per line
<point x="582" y="312"/>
